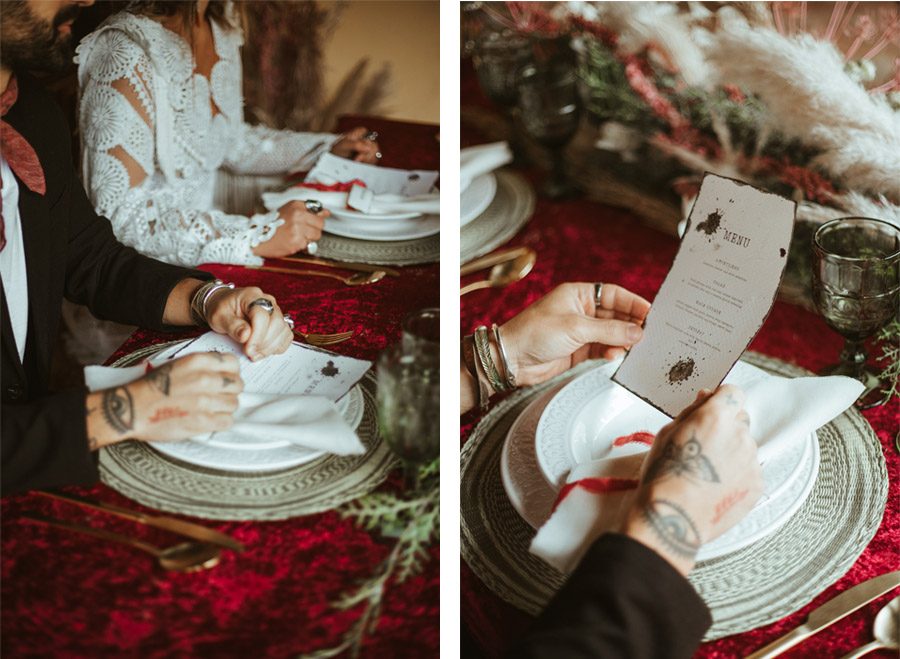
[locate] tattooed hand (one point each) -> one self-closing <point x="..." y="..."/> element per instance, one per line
<point x="701" y="477"/>
<point x="184" y="397"/>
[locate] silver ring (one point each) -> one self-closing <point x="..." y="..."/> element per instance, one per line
<point x="289" y="321"/>
<point x="263" y="303"/>
<point x="598" y="289"/>
<point x="314" y="206"/>
<point x="312" y="248"/>
<point x="372" y="136"/>
<point x="378" y="155"/>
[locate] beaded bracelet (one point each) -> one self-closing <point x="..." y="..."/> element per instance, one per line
<point x="468" y="354"/>
<point x="483" y="349"/>
<point x="504" y="359"/>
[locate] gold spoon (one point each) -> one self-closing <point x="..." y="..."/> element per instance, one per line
<point x="184" y="557"/>
<point x="504" y="273"/>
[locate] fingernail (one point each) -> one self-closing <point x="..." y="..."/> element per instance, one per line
<point x="243" y="335"/>
<point x="634" y="333"/>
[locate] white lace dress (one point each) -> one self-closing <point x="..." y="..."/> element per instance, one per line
<point x="142" y="106"/>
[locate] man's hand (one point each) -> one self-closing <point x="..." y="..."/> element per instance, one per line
<point x="566" y="327"/>
<point x="701" y="478"/>
<point x="355" y="146"/>
<point x="179" y="399"/>
<point x="262" y="333"/>
<point x="301" y="227"/>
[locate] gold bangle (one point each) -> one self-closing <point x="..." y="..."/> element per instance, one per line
<point x="471" y="363"/>
<point x="504" y="360"/>
<point x="483" y="349"/>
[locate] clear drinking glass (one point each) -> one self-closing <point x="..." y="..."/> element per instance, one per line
<point x="408" y="402"/>
<point x="856" y="287"/>
<point x="498" y="56"/>
<point x="422" y="332"/>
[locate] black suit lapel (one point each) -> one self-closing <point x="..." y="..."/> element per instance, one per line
<point x="9" y="340"/>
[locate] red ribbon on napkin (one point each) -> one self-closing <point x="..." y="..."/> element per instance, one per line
<point x="596" y="486"/>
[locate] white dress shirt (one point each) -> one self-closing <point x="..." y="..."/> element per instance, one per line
<point x="12" y="260"/>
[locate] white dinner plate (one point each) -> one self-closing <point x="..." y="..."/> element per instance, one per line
<point x="386" y="230"/>
<point x="475" y="199"/>
<point x="345" y="213"/>
<point x="229" y="452"/>
<point x="533" y="496"/>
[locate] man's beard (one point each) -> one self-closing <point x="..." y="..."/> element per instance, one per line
<point x="29" y="43"/>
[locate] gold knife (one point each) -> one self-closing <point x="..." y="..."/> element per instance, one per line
<point x="490" y="260"/>
<point x="360" y="267"/>
<point x="830" y="612"/>
<point x="178" y="526"/>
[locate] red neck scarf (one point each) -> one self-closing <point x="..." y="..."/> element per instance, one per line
<point x="17" y="152"/>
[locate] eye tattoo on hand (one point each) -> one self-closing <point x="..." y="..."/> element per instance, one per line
<point x="687" y="460"/>
<point x="118" y="409"/>
<point x="673" y="526"/>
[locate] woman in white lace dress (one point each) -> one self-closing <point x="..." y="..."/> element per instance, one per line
<point x="161" y="112"/>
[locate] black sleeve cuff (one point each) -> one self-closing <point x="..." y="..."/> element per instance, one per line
<point x="623" y="600"/>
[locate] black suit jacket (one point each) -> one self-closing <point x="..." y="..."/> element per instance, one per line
<point x="69" y="251"/>
<point x="623" y="600"/>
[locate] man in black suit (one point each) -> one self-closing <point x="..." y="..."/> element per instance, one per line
<point x="53" y="245"/>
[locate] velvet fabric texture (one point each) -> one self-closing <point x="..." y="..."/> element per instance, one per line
<point x="70" y="595"/>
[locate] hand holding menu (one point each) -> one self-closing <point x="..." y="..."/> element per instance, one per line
<point x="716" y="296"/>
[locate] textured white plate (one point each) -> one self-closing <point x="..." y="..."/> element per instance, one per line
<point x="475" y="199"/>
<point x="533" y="497"/>
<point x="227" y="452"/>
<point x="385" y="230"/>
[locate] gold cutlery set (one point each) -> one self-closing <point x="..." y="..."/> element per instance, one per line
<point x="507" y="266"/>
<point x="201" y="552"/>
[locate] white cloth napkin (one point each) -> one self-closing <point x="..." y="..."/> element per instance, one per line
<point x="367" y="201"/>
<point x="275" y="200"/>
<point x="782" y="411"/>
<point x="477" y="160"/>
<point x="309" y="421"/>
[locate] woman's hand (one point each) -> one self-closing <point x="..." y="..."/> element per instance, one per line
<point x="354" y="145"/>
<point x="262" y="333"/>
<point x="701" y="478"/>
<point x="565" y="327"/>
<point x="301" y="227"/>
<point x="182" y="398"/>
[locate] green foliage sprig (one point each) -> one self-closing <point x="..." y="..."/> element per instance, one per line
<point x="889" y="340"/>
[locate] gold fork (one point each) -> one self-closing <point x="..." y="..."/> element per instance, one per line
<point x="324" y="339"/>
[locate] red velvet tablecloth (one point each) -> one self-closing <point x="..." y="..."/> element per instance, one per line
<point x="69" y="595"/>
<point x="579" y="240"/>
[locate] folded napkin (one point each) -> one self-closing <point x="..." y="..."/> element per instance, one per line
<point x="309" y="421"/>
<point x="367" y="201"/>
<point x="597" y="494"/>
<point x="477" y="160"/>
<point x="275" y="200"/>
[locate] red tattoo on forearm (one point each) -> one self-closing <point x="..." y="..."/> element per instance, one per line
<point x="726" y="504"/>
<point x="166" y="413"/>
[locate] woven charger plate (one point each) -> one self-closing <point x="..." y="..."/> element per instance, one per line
<point x="141" y="473"/>
<point x="381" y="252"/>
<point x="745" y="589"/>
<point x="512" y="207"/>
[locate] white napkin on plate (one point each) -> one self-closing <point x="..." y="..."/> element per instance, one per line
<point x="275" y="200"/>
<point x="309" y="421"/>
<point x="366" y="201"/>
<point x="782" y="411"/>
<point x="477" y="160"/>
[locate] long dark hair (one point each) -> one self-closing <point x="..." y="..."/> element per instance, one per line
<point x="186" y="11"/>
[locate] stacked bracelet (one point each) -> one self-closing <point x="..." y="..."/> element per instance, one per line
<point x="504" y="359"/>
<point x="201" y="298"/>
<point x="486" y="358"/>
<point x="471" y="362"/>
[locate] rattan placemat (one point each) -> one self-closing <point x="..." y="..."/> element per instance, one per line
<point x="744" y="590"/>
<point x="381" y="252"/>
<point x="512" y="207"/>
<point x="143" y="474"/>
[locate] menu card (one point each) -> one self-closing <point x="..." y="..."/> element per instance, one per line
<point x="716" y="296"/>
<point x="331" y="169"/>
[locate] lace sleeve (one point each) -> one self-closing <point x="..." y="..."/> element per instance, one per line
<point x="265" y="151"/>
<point x="116" y="116"/>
